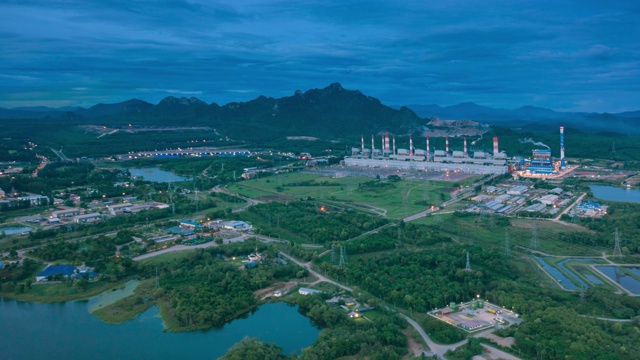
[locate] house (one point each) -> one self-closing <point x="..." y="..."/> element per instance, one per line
<point x="307" y="291"/>
<point x="88" y="218"/>
<point x="349" y="301"/>
<point x="65" y="270"/>
<point x="2" y="194"/>
<point x="35" y="200"/>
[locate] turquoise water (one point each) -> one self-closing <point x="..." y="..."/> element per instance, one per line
<point x="68" y="331"/>
<point x="156" y="175"/>
<point x="615" y="194"/>
<point x="12" y="230"/>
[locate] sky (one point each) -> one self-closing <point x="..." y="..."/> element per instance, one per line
<point x="563" y="55"/>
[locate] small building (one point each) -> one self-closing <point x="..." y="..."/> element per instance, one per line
<point x="471" y="325"/>
<point x="65" y="270"/>
<point x="349" y="301"/>
<point x="118" y="208"/>
<point x="187" y="224"/>
<point x="549" y="199"/>
<point x="67" y="213"/>
<point x="307" y="291"/>
<point x="88" y="218"/>
<point x="1" y="265"/>
<point x="237" y="225"/>
<point x="446" y="311"/>
<point x="277" y="293"/>
<point x="35" y="200"/>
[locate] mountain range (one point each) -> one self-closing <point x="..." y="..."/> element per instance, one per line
<point x="329" y="112"/>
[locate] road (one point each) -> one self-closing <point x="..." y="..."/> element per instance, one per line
<point x="186" y="247"/>
<point x="315" y="273"/>
<point x="557" y="218"/>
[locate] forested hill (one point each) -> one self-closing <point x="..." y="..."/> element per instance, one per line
<point x="332" y="112"/>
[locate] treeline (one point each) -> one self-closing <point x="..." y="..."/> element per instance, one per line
<point x="561" y="333"/>
<point x="307" y="221"/>
<point x="381" y="339"/>
<point x="424" y="280"/>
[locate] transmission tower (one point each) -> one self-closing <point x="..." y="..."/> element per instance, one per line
<point x="343" y="256"/>
<point x="468" y="267"/>
<point x="534" y="235"/>
<point x="616" y="247"/>
<point x="507" y="248"/>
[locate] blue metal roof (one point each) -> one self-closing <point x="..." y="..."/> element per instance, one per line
<point x="65" y="270"/>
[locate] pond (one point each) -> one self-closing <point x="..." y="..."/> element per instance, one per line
<point x="156" y="175"/>
<point x="68" y="331"/>
<point x="557" y="274"/>
<point x="613" y="193"/>
<point x="617" y="275"/>
<point x="12" y="230"/>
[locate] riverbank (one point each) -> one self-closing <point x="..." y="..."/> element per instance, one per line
<point x="62" y="292"/>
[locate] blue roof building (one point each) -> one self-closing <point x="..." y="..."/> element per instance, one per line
<point x="52" y="270"/>
<point x="1" y="265"/>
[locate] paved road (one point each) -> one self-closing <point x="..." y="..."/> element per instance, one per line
<point x="498" y="354"/>
<point x="607" y="319"/>
<point x="557" y="218"/>
<point x="186" y="247"/>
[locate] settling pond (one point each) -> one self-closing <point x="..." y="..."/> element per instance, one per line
<point x="68" y="331"/>
<point x="12" y="230"/>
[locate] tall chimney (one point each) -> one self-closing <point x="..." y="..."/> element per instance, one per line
<point x="411" y="145"/>
<point x="562" y="164"/>
<point x="383" y="147"/>
<point x="428" y="150"/>
<point x="386" y="142"/>
<point x="362" y="142"/>
<point x="495" y="146"/>
<point x="373" y="146"/>
<point x="446" y="147"/>
<point x="394" y="145"/>
<point x="465" y="147"/>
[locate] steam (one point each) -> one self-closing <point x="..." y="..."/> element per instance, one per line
<point x="530" y="140"/>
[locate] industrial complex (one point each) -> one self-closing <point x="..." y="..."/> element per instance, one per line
<point x="541" y="162"/>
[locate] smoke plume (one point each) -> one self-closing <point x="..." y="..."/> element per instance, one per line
<point x="530" y="140"/>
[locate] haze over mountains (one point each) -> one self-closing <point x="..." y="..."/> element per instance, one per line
<point x="332" y="111"/>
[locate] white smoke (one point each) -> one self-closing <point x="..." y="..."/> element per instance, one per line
<point x="537" y="143"/>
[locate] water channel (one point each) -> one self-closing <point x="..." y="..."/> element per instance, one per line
<point x="68" y="331"/>
<point x="613" y="193"/>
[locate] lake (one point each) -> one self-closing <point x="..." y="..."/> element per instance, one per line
<point x="68" y="331"/>
<point x="156" y="175"/>
<point x="613" y="193"/>
<point x="12" y="230"/>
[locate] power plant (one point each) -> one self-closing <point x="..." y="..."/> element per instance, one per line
<point x="426" y="160"/>
<point x="541" y="162"/>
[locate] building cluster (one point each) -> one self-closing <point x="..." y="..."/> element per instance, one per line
<point x="516" y="197"/>
<point x="388" y="156"/>
<point x="98" y="211"/>
<point x="66" y="272"/>
<point x="589" y="209"/>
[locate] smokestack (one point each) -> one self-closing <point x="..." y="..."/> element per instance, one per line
<point x="411" y="145"/>
<point x="428" y="150"/>
<point x="465" y="147"/>
<point x="362" y="141"/>
<point x="373" y="146"/>
<point x="446" y="147"/>
<point x="394" y="145"/>
<point x="386" y="142"/>
<point x="383" y="147"/>
<point x="562" y="164"/>
<point x="495" y="146"/>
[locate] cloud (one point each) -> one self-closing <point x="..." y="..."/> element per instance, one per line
<point x="507" y="53"/>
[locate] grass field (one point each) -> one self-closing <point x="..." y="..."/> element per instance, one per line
<point x="391" y="199"/>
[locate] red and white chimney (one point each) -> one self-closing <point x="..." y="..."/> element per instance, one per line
<point x="495" y="146"/>
<point x="411" y="145"/>
<point x="465" y="147"/>
<point x="386" y="142"/>
<point x="428" y="151"/>
<point x="446" y="146"/>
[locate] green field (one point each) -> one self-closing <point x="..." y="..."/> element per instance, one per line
<point x="393" y="199"/>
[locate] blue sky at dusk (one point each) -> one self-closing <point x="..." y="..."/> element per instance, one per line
<point x="563" y="55"/>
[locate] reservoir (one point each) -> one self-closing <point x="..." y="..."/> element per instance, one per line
<point x="156" y="175"/>
<point x="68" y="331"/>
<point x="613" y="193"/>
